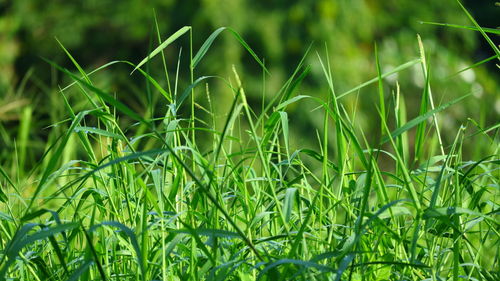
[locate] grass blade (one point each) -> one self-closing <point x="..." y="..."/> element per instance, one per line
<point x="414" y="122"/>
<point x="206" y="45"/>
<point x="21" y="240"/>
<point x="384" y="75"/>
<point x="485" y="29"/>
<point x="481" y="30"/>
<point x="163" y="45"/>
<point x="133" y="240"/>
<point x="106" y="97"/>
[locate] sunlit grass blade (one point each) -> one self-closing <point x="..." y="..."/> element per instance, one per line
<point x="163" y="45"/>
<point x="97" y="131"/>
<point x="384" y="75"/>
<point x="421" y="118"/>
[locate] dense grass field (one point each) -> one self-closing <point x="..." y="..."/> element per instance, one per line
<point x="198" y="188"/>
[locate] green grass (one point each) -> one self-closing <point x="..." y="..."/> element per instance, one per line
<point x="193" y="187"/>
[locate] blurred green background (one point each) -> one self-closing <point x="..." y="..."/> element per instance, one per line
<point x="99" y="31"/>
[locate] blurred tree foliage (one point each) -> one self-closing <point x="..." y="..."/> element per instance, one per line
<point x="98" y="31"/>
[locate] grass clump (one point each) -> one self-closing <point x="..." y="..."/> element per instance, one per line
<point x="178" y="192"/>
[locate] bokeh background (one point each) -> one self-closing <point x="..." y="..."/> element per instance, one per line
<point x="280" y="31"/>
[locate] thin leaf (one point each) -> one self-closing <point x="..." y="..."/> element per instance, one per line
<point x="206" y="45"/>
<point x="481" y="30"/>
<point x="414" y="122"/>
<point x="477" y="64"/>
<point x="189" y="89"/>
<point x="450" y="211"/>
<point x="98" y="132"/>
<point x="7" y="178"/>
<point x="106" y="97"/>
<point x="163" y="45"/>
<point x="284" y="126"/>
<point x="290" y="101"/>
<point x="288" y="203"/>
<point x="487" y="30"/>
<point x="389" y="73"/>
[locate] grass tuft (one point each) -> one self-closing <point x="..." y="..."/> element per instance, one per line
<point x="167" y="194"/>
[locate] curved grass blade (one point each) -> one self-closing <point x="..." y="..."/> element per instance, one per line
<point x="206" y="45"/>
<point x="23" y="231"/>
<point x="284" y="126"/>
<point x="445" y="212"/>
<point x="3" y="196"/>
<point x="106" y="97"/>
<point x="189" y="89"/>
<point x="163" y="45"/>
<point x="290" y="101"/>
<point x="286" y="90"/>
<point x="21" y="240"/>
<point x="128" y="157"/>
<point x="104" y="66"/>
<point x="380" y="85"/>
